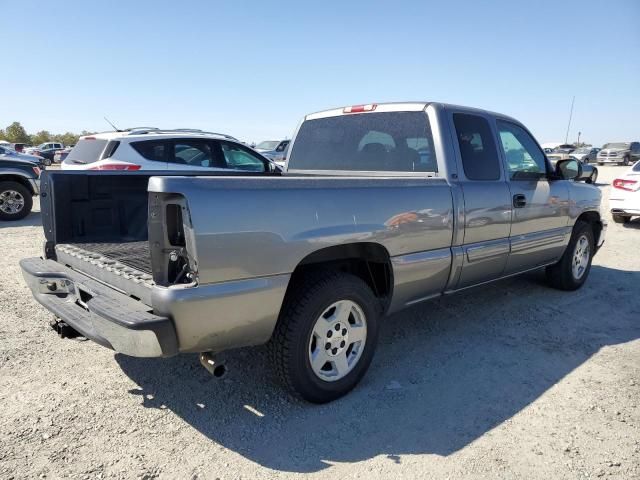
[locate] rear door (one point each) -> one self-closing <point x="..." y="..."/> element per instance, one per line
<point x="193" y="154"/>
<point x="539" y="228"/>
<point x="487" y="201"/>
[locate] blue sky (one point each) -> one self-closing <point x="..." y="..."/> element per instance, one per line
<point x="253" y="69"/>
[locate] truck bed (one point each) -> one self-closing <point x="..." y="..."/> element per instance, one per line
<point x="132" y="254"/>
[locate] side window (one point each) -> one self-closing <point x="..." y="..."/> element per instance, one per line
<point x="525" y="160"/>
<point x="196" y="153"/>
<point x="239" y="158"/>
<point x="477" y="147"/>
<point x="282" y="147"/>
<point x="153" y="150"/>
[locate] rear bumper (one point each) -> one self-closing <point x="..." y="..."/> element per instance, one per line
<point x="100" y="313"/>
<point x="202" y="318"/>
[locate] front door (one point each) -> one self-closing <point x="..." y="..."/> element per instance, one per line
<point x="487" y="201"/>
<point x="539" y="229"/>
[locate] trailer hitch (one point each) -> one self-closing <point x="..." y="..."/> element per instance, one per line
<point x="64" y="330"/>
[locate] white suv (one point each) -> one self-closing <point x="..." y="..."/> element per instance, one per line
<point x="156" y="149"/>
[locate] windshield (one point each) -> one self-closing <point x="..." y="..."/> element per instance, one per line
<point x="616" y="145"/>
<point x="87" y="151"/>
<point x="636" y="167"/>
<point x="387" y="142"/>
<point x="268" y="145"/>
<point x="42" y="145"/>
<point x="583" y="150"/>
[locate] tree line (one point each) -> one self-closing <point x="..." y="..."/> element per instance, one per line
<point x="15" y="133"/>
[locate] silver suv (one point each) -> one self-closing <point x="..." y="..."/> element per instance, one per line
<point x="622" y="153"/>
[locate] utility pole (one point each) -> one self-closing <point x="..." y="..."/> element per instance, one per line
<point x="566" y="137"/>
<point x="578" y="144"/>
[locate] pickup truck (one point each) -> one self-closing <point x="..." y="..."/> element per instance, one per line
<point x="381" y="206"/>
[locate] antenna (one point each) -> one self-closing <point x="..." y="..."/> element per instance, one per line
<point x="566" y="137"/>
<point x="114" y="127"/>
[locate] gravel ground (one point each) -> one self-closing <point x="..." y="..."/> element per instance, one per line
<point x="510" y="380"/>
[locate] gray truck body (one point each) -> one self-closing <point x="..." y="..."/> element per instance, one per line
<point x="246" y="238"/>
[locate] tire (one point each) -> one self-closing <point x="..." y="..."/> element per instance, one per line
<point x="601" y="164"/>
<point x="617" y="218"/>
<point x="301" y="331"/>
<point x="594" y="176"/>
<point x="12" y="193"/>
<point x="563" y="275"/>
<point x="626" y="161"/>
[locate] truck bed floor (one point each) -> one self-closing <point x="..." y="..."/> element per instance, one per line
<point x="133" y="254"/>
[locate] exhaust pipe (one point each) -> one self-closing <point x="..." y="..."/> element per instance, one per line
<point x="214" y="364"/>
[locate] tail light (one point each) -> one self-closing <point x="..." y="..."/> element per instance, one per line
<point x="117" y="166"/>
<point x="629" y="185"/>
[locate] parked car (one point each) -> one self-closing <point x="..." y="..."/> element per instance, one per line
<point x="18" y="147"/>
<point x="60" y="155"/>
<point x="621" y="153"/>
<point x="193" y="262"/>
<point x="10" y="154"/>
<point x="564" y="148"/>
<point x="589" y="173"/>
<point x="19" y="182"/>
<point x="624" y="196"/>
<point x="585" y="154"/>
<point x="48" y="150"/>
<point x="276" y="151"/>
<point x="156" y="149"/>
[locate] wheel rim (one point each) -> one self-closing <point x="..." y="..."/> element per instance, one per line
<point x="337" y="340"/>
<point x="11" y="202"/>
<point x="580" y="257"/>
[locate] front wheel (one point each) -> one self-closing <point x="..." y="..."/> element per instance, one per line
<point x="15" y="201"/>
<point x="326" y="336"/>
<point x="572" y="270"/>
<point x="626" y="162"/>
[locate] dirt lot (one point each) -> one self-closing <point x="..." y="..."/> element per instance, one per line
<point x="511" y="380"/>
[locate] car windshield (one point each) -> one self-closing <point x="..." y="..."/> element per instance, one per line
<point x="616" y="145"/>
<point x="42" y="145"/>
<point x="636" y="167"/>
<point x="268" y="145"/>
<point x="87" y="151"/>
<point x="583" y="150"/>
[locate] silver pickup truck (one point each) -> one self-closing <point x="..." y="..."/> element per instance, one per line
<point x="381" y="206"/>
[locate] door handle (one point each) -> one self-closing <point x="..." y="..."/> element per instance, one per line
<point x="519" y="200"/>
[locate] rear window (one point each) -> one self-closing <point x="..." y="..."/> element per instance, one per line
<point x="388" y="142"/>
<point x="87" y="151"/>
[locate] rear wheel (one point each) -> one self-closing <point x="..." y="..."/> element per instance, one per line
<point x="15" y="201"/>
<point x="572" y="270"/>
<point x="621" y="218"/>
<point x="326" y="336"/>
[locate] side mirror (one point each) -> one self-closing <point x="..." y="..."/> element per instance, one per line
<point x="570" y="169"/>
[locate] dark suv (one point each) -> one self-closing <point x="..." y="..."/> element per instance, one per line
<point x="19" y="182"/>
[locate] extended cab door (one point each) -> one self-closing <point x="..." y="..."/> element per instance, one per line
<point x="487" y="200"/>
<point x="539" y="229"/>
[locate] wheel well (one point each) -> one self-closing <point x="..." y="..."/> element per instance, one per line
<point x="593" y="219"/>
<point x="369" y="261"/>
<point x="17" y="178"/>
